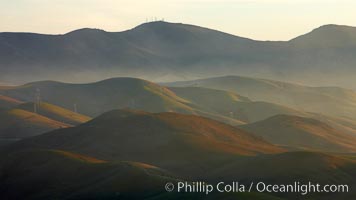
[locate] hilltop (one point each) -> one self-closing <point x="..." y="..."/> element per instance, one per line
<point x="332" y="101"/>
<point x="303" y="133"/>
<point x="167" y="140"/>
<point x="164" y="51"/>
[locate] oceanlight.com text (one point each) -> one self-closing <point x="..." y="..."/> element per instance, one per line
<point x="222" y="187"/>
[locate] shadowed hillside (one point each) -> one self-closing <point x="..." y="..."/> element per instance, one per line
<point x="299" y="132"/>
<point x="167" y="140"/>
<point x="17" y="123"/>
<point x="8" y="102"/>
<point x="21" y="121"/>
<point x="342" y="124"/>
<point x="171" y="51"/>
<point x="57" y="174"/>
<point x="93" y="99"/>
<point x="286" y="168"/>
<point x="53" y="174"/>
<point x="231" y="104"/>
<point x="327" y="100"/>
<point x="88" y="159"/>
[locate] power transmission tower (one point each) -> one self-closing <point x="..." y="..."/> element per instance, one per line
<point x="75" y="108"/>
<point x="133" y="104"/>
<point x="37" y="101"/>
<point x="232" y="114"/>
<point x="34" y="107"/>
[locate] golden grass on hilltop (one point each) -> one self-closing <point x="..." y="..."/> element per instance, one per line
<point x="57" y="113"/>
<point x="17" y="123"/>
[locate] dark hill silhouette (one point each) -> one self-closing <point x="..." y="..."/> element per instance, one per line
<point x="161" y="50"/>
<point x="57" y="174"/>
<point x="288" y="167"/>
<point x="182" y="143"/>
<point x="49" y="174"/>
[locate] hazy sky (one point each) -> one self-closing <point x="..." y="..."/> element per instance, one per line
<point x="257" y="19"/>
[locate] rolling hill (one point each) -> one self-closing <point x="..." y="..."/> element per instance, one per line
<point x="325" y="37"/>
<point x="343" y="124"/>
<point x="72" y="175"/>
<point x="287" y="168"/>
<point x="20" y="121"/>
<point x="93" y="99"/>
<point x="332" y="101"/>
<point x="56" y="113"/>
<point x="167" y="140"/>
<point x="97" y="158"/>
<point x="303" y="133"/>
<point x="17" y="123"/>
<point x="232" y="105"/>
<point x="56" y="174"/>
<point x="165" y="51"/>
<point x="8" y="102"/>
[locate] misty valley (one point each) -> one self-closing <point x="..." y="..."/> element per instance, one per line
<point x="106" y="148"/>
<point x="169" y="111"/>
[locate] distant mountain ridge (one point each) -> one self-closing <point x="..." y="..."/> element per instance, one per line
<point x="166" y="51"/>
